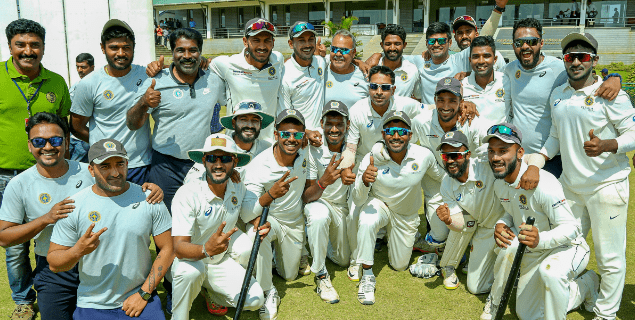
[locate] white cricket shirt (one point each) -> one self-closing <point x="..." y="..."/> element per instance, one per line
<point x="406" y="78"/>
<point x="494" y="102"/>
<point x="319" y="158"/>
<point x="303" y="90"/>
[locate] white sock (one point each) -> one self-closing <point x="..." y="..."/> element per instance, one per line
<point x="368" y="272"/>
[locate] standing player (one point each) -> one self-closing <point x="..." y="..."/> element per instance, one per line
<point x="117" y="276"/>
<point x="102" y="100"/>
<point x="389" y="195"/>
<point x="345" y="82"/>
<point x="551" y="280"/>
<point x="393" y="42"/>
<point x="85" y="64"/>
<point x="276" y="179"/>
<point x="597" y="192"/>
<point x="465" y="31"/>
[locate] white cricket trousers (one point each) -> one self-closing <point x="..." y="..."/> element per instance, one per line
<point x="326" y="230"/>
<point x="605" y="213"/>
<point x="401" y="230"/>
<point x="548" y="286"/>
<point x="432" y="200"/>
<point x="222" y="280"/>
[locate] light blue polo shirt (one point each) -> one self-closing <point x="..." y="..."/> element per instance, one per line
<point x="121" y="263"/>
<point x="347" y="88"/>
<point x="182" y="119"/>
<point x="106" y="100"/>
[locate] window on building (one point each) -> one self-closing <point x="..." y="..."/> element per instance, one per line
<point x="316" y="13"/>
<point x="222" y="18"/>
<point x="287" y="15"/>
<point x="241" y="17"/>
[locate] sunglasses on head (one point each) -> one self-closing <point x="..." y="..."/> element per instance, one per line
<point x="400" y="131"/>
<point x="41" y="142"/>
<point x="384" y="87"/>
<point x="250" y="105"/>
<point x="303" y="26"/>
<point x="464" y="18"/>
<point x="502" y="130"/>
<point x="288" y="134"/>
<point x="223" y="159"/>
<point x="581" y="56"/>
<point x="343" y="51"/>
<point x="260" y="24"/>
<point x="453" y="155"/>
<point x="440" y="41"/>
<point x="531" y="41"/>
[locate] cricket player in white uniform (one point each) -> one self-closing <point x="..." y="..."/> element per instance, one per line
<point x="388" y="194"/>
<point x="552" y="279"/>
<point x="465" y="31"/>
<point x="276" y="179"/>
<point x="208" y="247"/>
<point x="593" y="135"/>
<point x="393" y="42"/>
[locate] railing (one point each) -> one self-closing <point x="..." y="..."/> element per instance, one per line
<point x="364" y="29"/>
<point x="591" y="22"/>
<point x="281" y="31"/>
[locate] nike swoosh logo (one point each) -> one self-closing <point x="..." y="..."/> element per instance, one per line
<point x="543" y="74"/>
<point x="614" y="217"/>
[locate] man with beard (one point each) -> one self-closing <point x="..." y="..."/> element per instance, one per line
<point x="533" y="78"/>
<point x="465" y="31"/>
<point x="487" y="88"/>
<point x="389" y="195"/>
<point x="393" y="42"/>
<point x="552" y="280"/>
<point x="597" y="192"/>
<point x="207" y="245"/>
<point x="303" y="78"/>
<point x="102" y="100"/>
<point x="345" y="81"/>
<point x="28" y="88"/>
<point x="182" y="96"/>
<point x="256" y="72"/>
<point x="326" y="198"/>
<point x="276" y="179"/>
<point x="117" y="276"/>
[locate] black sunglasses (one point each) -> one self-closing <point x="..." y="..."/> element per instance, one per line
<point x="223" y="159"/>
<point x="41" y="142"/>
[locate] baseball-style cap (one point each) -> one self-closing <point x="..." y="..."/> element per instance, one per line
<point x="335" y="105"/>
<point x="504" y="131"/>
<point x="299" y="28"/>
<point x="454" y="138"/>
<point x="605" y="70"/>
<point x="219" y="141"/>
<point x="290" y="113"/>
<point x="104" y="149"/>
<point x="585" y="37"/>
<point x="116" y="23"/>
<point x="257" y="25"/>
<point x="451" y="85"/>
<point x="459" y="21"/>
<point x="247" y="107"/>
<point x="397" y="115"/>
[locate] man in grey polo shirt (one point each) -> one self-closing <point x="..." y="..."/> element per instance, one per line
<point x="345" y="82"/>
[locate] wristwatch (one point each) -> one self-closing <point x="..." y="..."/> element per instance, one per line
<point x="499" y="9"/>
<point x="144" y="295"/>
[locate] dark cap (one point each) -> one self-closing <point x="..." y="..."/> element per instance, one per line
<point x="584" y="37"/>
<point x="605" y="70"/>
<point x="504" y="131"/>
<point x="289" y="113"/>
<point x="455" y="139"/>
<point x="299" y="28"/>
<point x="335" y="105"/>
<point x="397" y="115"/>
<point x="257" y="25"/>
<point x="459" y="21"/>
<point x="451" y="85"/>
<point x="104" y="149"/>
<point x="116" y="23"/>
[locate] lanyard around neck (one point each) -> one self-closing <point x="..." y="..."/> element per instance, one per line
<point x="28" y="101"/>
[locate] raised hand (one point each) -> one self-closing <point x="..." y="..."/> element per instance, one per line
<point x="315" y="137"/>
<point x="155" y="67"/>
<point x="467" y="111"/>
<point x="371" y="173"/>
<point x="320" y="49"/>
<point x="89" y="241"/>
<point x="152" y="97"/>
<point x="281" y="187"/>
<point x="219" y="241"/>
<point x="332" y="173"/>
<point x="443" y="212"/>
<point x="59" y="211"/>
<point x="156" y="194"/>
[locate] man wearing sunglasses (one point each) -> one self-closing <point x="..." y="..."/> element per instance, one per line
<point x="276" y="179"/>
<point x="552" y="278"/>
<point x="388" y="194"/>
<point x="345" y="82"/>
<point x="591" y="132"/>
<point x="210" y="251"/>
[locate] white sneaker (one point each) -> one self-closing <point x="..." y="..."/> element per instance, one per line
<point x="269" y="310"/>
<point x="353" y="272"/>
<point x="305" y="267"/>
<point x="591" y="280"/>
<point x="425" y="267"/>
<point x="450" y="280"/>
<point x="326" y="291"/>
<point x="489" y="311"/>
<point x="366" y="292"/>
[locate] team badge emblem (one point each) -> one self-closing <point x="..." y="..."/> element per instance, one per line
<point x="404" y="77"/>
<point x="234" y="200"/>
<point x="458" y="198"/>
<point x="479" y="184"/>
<point x="523" y="199"/>
<point x="329" y="84"/>
<point x="94" y="216"/>
<point x="427" y="65"/>
<point x="291" y="111"/>
<point x="386" y="170"/>
<point x="51" y="97"/>
<point x="398" y="113"/>
<point x="447" y="81"/>
<point x="304" y="163"/>
<point x="415" y="167"/>
<point x="335" y="104"/>
<point x="449" y="135"/>
<point x="110" y="146"/>
<point x="108" y="95"/>
<point x="588" y="101"/>
<point x="517" y="74"/>
<point x="500" y="93"/>
<point x="320" y="72"/>
<point x="45" y="198"/>
<point x="178" y="93"/>
<point x="219" y="142"/>
<point x="272" y="71"/>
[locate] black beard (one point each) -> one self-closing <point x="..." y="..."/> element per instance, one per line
<point x="218" y="181"/>
<point x="583" y="76"/>
<point x="533" y="63"/>
<point x="399" y="54"/>
<point x="462" y="169"/>
<point x="508" y="169"/>
<point x="389" y="147"/>
<point x="251" y="53"/>
<point x="112" y="64"/>
<point x="239" y="134"/>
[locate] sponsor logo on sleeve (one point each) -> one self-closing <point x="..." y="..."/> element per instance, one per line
<point x="558" y="203"/>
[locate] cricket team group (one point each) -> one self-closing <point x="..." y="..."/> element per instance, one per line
<point x="342" y="152"/>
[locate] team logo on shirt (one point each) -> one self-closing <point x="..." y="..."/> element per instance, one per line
<point x="51" y="97"/>
<point x="110" y="146"/>
<point x="556" y="103"/>
<point x="320" y="71"/>
<point x="329" y="84"/>
<point x="234" y="200"/>
<point x="588" y="101"/>
<point x="79" y="184"/>
<point x="304" y="163"/>
<point x="415" y="167"/>
<point x="479" y="184"/>
<point x="470" y="224"/>
<point x="523" y="199"/>
<point x="427" y="65"/>
<point x="108" y="95"/>
<point x="94" y="216"/>
<point x="45" y="198"/>
<point x="404" y="77"/>
<point x="386" y="171"/>
<point x="517" y="74"/>
<point x="500" y="93"/>
<point x="139" y="82"/>
<point x="559" y="203"/>
<point x="272" y="71"/>
<point x="178" y="93"/>
<point x="370" y="123"/>
<point x="209" y="211"/>
<point x="458" y="198"/>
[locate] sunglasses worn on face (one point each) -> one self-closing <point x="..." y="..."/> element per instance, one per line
<point x="303" y="26"/>
<point x="250" y="105"/>
<point x="259" y="25"/>
<point x="288" y="134"/>
<point x="400" y="131"/>
<point x="384" y="87"/>
<point x="223" y="159"/>
<point x="503" y="130"/>
<point x="344" y="51"/>
<point x="531" y="41"/>
<point x="581" y="56"/>
<point x="440" y="41"/>
<point x="41" y="142"/>
<point x="453" y="155"/>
